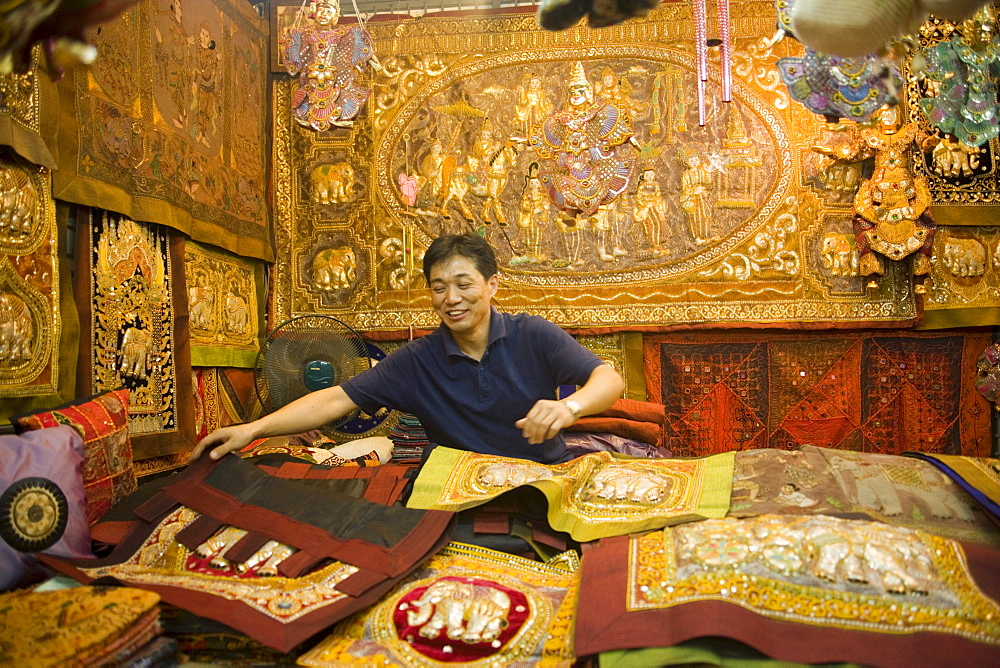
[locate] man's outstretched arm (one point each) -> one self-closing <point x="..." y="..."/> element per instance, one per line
<point x="547" y="417"/>
<point x="309" y="412"/>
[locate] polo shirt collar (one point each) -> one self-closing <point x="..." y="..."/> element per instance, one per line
<point x="498" y="330"/>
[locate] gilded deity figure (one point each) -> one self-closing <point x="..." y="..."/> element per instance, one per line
<point x="488" y="164"/>
<point x="696" y="184"/>
<point x="891" y="214"/>
<point x="533" y="103"/>
<point x="650" y="210"/>
<point x="584" y="164"/>
<point x="327" y="58"/>
<point x="532" y="215"/>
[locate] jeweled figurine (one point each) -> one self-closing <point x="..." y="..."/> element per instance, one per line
<point x="891" y="214"/>
<point x="327" y="59"/>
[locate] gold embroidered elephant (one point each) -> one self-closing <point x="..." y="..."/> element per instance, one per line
<point x="965" y="258"/>
<point x="840" y="254"/>
<point x="237" y="314"/>
<point x="135" y="354"/>
<point x="511" y="475"/>
<point x="472" y="613"/>
<point x="626" y="484"/>
<point x="332" y="184"/>
<point x="334" y="269"/>
<point x="16" y="330"/>
<point x="17" y="203"/>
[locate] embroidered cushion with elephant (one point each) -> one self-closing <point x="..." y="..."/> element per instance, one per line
<point x="102" y="420"/>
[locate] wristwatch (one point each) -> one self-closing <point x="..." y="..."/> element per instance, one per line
<point x="573" y="407"/>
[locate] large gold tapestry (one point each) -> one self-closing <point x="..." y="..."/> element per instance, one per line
<point x="170" y="124"/>
<point x="135" y="328"/>
<point x="30" y="275"/>
<point x="472" y="127"/>
<point x="23" y="126"/>
<point x="225" y="307"/>
<point x="966" y="276"/>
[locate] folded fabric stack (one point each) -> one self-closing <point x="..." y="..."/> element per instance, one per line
<point x="637" y="420"/>
<point x="408" y="440"/>
<point x="83" y="626"/>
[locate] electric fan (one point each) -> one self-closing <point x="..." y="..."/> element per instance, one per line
<point x="306" y="354"/>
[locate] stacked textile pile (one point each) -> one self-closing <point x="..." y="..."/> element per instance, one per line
<point x="408" y="439"/>
<point x="640" y="421"/>
<point x="83" y="626"/>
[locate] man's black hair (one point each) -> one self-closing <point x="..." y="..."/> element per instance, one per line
<point x="470" y="246"/>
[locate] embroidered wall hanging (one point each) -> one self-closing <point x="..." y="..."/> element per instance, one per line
<point x="593" y="496"/>
<point x="868" y="391"/>
<point x="225" y="307"/>
<point x="466" y="605"/>
<point x="169" y="126"/>
<point x="980" y="477"/>
<point x="804" y="589"/>
<point x="23" y="126"/>
<point x="733" y="222"/>
<point x="888" y="488"/>
<point x="31" y="317"/>
<point x="134" y="334"/>
<point x="966" y="278"/>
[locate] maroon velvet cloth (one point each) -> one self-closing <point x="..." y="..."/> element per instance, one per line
<point x="604" y="623"/>
<point x="385" y="543"/>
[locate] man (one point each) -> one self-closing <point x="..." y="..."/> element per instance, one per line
<point x="484" y="381"/>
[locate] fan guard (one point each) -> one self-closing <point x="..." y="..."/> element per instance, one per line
<point x="305" y="354"/>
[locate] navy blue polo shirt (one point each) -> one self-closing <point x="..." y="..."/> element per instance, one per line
<point x="472" y="405"/>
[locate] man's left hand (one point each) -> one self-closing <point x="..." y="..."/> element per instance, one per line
<point x="544" y="420"/>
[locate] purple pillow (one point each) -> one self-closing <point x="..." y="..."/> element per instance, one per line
<point x="42" y="505"/>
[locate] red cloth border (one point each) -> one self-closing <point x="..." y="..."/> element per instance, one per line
<point x="604" y="624"/>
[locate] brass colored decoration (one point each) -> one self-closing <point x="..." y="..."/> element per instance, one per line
<point x="134" y="337"/>
<point x="327" y="59"/>
<point x="224" y="307"/>
<point x="30" y="317"/>
<point x="169" y="123"/>
<point x="965" y="278"/>
<point x="23" y="126"/>
<point x="722" y="224"/>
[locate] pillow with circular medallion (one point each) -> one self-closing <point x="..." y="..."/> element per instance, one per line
<point x="42" y="506"/>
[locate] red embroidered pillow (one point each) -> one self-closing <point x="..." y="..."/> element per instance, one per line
<point x="102" y="420"/>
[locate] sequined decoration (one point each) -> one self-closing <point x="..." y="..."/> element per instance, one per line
<point x="820" y="570"/>
<point x="836" y="87"/>
<point x="162" y="560"/>
<point x="962" y="73"/>
<point x="467" y="605"/>
<point x="133" y="320"/>
<point x="988" y="373"/>
<point x="592" y="496"/>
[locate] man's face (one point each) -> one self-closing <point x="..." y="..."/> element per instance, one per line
<point x="461" y="296"/>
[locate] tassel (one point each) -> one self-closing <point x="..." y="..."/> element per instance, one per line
<point x="701" y="53"/>
<point x="726" y="52"/>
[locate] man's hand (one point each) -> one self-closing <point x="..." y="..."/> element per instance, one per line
<point x="544" y="420"/>
<point x="223" y="441"/>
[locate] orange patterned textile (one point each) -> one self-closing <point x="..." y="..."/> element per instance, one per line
<point x="169" y="125"/>
<point x="81" y="626"/>
<point x="871" y="391"/>
<point x="471" y="128"/>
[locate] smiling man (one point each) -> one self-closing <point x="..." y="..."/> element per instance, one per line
<point x="483" y="381"/>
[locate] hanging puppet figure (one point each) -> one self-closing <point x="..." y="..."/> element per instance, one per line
<point x="583" y="161"/>
<point x="327" y="59"/>
<point x="962" y="72"/>
<point x="891" y="215"/>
